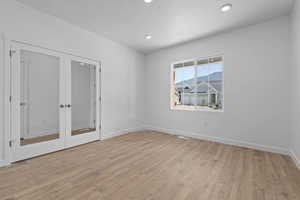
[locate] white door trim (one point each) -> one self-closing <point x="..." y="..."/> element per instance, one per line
<point x="7" y="107"/>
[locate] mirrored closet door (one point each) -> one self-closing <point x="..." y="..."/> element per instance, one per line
<point x="84" y="98"/>
<point x="55" y="101"/>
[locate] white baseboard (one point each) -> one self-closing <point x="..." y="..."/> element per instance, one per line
<point x="120" y="132"/>
<point x="295" y="159"/>
<point x="222" y="140"/>
<point x="4" y="163"/>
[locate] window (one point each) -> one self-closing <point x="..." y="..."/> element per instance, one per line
<point x="198" y="84"/>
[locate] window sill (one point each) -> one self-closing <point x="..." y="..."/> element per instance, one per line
<point x="196" y="108"/>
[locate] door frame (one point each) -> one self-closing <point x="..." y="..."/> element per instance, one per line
<point x="7" y="93"/>
<point x="7" y="85"/>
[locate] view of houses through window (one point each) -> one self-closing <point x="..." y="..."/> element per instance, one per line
<point x="198" y="84"/>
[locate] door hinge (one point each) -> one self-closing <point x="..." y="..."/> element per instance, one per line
<point x="10" y="143"/>
<point x="11" y="53"/>
<point x="100" y="99"/>
<point x="10" y="99"/>
<point x="99" y="126"/>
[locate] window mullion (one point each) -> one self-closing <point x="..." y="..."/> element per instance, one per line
<point x="195" y="85"/>
<point x="208" y="89"/>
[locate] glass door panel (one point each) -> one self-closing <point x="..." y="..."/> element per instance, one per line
<point x="83" y="84"/>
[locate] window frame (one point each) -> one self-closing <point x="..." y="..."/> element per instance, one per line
<point x="195" y="108"/>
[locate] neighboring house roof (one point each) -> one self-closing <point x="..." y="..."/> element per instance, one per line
<point x="185" y="90"/>
<point x="203" y="87"/>
<point x="214" y="85"/>
<point x="217" y="85"/>
<point x="185" y="84"/>
<point x="216" y="76"/>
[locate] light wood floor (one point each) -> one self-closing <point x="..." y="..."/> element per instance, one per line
<point x="152" y="166"/>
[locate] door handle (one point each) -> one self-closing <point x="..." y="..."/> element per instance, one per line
<point x="23" y="104"/>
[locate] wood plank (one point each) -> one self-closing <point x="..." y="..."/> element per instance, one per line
<point x="152" y="166"/>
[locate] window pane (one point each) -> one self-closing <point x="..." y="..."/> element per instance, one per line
<point x="216" y="85"/>
<point x="184" y="85"/>
<point x="202" y="87"/>
<point x="199" y="86"/>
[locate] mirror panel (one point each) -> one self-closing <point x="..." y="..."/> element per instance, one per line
<point x="39" y="97"/>
<point x="83" y="84"/>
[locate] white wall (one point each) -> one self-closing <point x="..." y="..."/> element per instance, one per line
<point x="256" y="88"/>
<point x="122" y="66"/>
<point x="295" y="89"/>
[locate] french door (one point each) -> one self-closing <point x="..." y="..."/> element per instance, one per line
<point x="55" y="101"/>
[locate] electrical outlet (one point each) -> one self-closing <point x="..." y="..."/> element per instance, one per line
<point x="205" y="124"/>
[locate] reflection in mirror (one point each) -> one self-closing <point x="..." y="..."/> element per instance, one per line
<point x="39" y="97"/>
<point x="83" y="98"/>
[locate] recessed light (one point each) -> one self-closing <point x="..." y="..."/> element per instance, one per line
<point x="148" y="1"/>
<point x="226" y="7"/>
<point x="148" y="37"/>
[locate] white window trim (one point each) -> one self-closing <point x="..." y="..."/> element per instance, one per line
<point x="196" y="108"/>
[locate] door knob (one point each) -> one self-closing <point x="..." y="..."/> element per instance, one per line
<point x="61" y="106"/>
<point x="22" y="104"/>
<point x="69" y="106"/>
